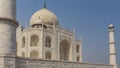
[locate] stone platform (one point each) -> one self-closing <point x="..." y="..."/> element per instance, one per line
<point x="39" y="63"/>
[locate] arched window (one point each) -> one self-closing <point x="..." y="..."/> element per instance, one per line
<point x="34" y="40"/>
<point x="23" y="42"/>
<point x="23" y="54"/>
<point x="47" y="55"/>
<point x="64" y="50"/>
<point x="34" y="54"/>
<point x="47" y="41"/>
<point x="77" y="58"/>
<point x="77" y="48"/>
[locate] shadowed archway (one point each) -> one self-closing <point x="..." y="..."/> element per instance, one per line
<point x="34" y="40"/>
<point x="64" y="50"/>
<point x="34" y="54"/>
<point x="48" y="55"/>
<point x="48" y="41"/>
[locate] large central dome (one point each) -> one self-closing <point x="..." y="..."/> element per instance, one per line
<point x="46" y="16"/>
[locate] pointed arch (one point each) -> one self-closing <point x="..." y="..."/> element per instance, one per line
<point x="48" y="55"/>
<point x="77" y="48"/>
<point x="34" y="40"/>
<point x="48" y="41"/>
<point x="23" y="54"/>
<point x="23" y="42"/>
<point x="64" y="50"/>
<point x="34" y="54"/>
<point x="77" y="59"/>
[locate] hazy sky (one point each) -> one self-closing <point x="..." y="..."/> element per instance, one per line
<point x="89" y="18"/>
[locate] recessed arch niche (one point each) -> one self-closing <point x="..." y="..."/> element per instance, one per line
<point x="64" y="50"/>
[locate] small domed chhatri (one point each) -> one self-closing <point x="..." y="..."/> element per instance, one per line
<point x="46" y="16"/>
<point x="111" y="26"/>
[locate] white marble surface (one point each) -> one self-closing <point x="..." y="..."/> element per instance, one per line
<point x="7" y="39"/>
<point x="8" y="9"/>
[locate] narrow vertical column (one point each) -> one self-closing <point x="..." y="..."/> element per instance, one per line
<point x="112" y="46"/>
<point x="80" y="49"/>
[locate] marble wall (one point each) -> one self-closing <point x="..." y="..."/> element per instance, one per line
<point x="39" y="63"/>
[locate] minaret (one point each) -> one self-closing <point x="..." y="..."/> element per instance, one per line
<point x="112" y="59"/>
<point x="8" y="26"/>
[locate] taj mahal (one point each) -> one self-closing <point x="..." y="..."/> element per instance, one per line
<point x="43" y="43"/>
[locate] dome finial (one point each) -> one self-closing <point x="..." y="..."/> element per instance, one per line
<point x="45" y="4"/>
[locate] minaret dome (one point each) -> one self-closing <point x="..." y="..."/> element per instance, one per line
<point x="110" y="26"/>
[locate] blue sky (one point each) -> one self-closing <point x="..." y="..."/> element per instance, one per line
<point x="89" y="18"/>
